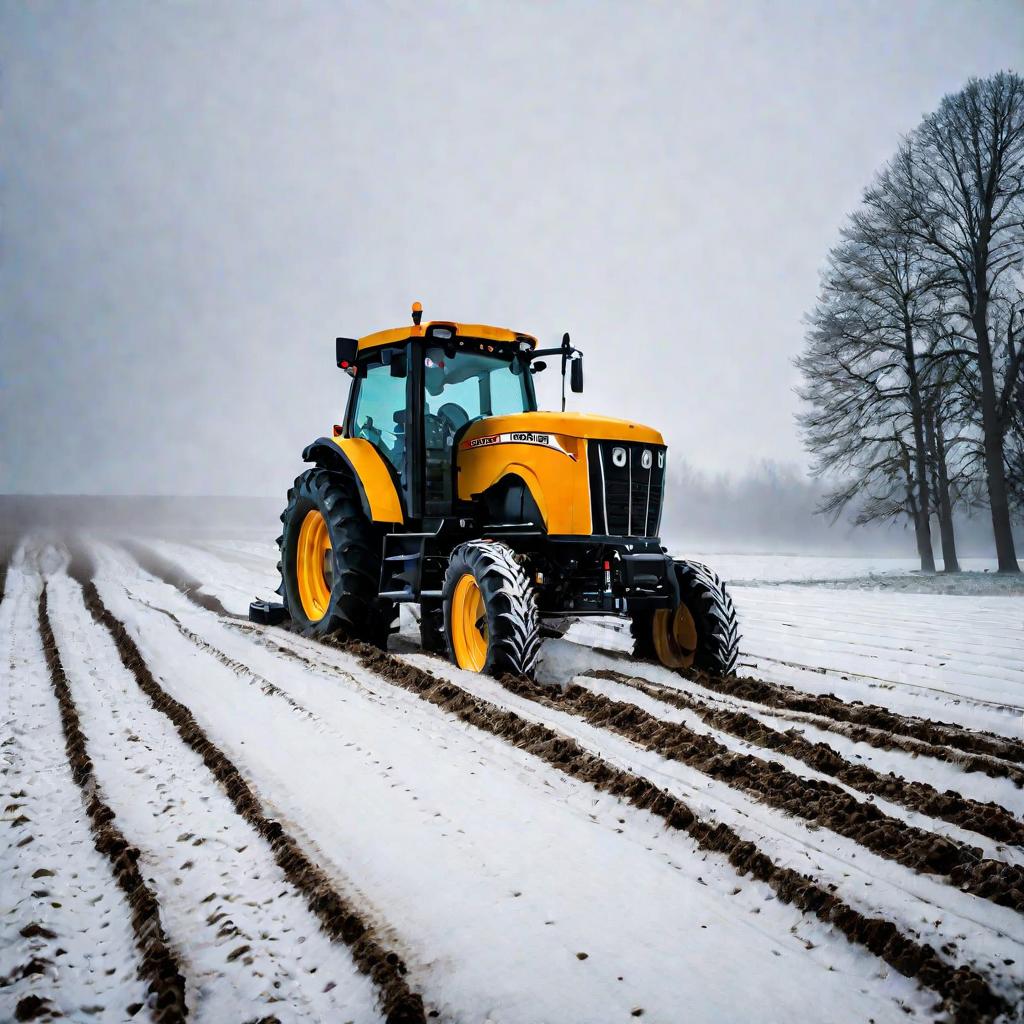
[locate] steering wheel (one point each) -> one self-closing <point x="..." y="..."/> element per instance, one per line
<point x="454" y="416"/>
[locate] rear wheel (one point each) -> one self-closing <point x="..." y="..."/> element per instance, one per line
<point x="701" y="632"/>
<point x="330" y="561"/>
<point x="490" y="612"/>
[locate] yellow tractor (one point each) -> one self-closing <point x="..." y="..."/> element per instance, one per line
<point x="444" y="486"/>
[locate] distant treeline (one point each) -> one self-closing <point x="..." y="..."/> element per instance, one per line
<point x="771" y="508"/>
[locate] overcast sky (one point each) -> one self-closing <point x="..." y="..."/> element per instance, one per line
<point x="196" y="198"/>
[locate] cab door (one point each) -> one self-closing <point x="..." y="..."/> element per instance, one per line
<point x="379" y="413"/>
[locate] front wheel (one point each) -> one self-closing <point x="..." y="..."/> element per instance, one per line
<point x="490" y="611"/>
<point x="701" y="632"/>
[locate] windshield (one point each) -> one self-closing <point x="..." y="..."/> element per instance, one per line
<point x="466" y="386"/>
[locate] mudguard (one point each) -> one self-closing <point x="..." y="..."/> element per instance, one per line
<point x="374" y="476"/>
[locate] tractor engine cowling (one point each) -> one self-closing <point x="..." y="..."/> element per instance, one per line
<point x="583" y="475"/>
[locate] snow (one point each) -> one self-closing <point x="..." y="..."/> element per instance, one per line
<point x="219" y="887"/>
<point x="52" y="875"/>
<point x="478" y="858"/>
<point x="867" y="881"/>
<point x="513" y="892"/>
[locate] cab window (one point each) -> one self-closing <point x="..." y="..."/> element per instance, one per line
<point x="379" y="413"/>
<point x="461" y="387"/>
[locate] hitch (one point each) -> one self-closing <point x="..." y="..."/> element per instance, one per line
<point x="267" y="613"/>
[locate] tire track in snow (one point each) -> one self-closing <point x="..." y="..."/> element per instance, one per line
<point x="986" y="819"/>
<point x="340" y="919"/>
<point x="265" y="638"/>
<point x="159" y="964"/>
<point x="452" y="698"/>
<point x="66" y="941"/>
<point x="820" y="802"/>
<point x="966" y="994"/>
<point x="792" y="844"/>
<point x="992" y="751"/>
<point x="877" y="738"/>
<point x="247" y="936"/>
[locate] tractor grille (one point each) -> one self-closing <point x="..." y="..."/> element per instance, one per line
<point x="625" y="494"/>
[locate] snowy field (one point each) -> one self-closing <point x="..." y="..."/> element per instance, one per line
<point x="327" y="835"/>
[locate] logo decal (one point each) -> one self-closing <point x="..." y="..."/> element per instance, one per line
<point x="517" y="437"/>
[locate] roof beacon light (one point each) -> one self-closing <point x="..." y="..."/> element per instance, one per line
<point x="417" y="313"/>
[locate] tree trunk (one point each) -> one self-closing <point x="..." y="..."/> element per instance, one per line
<point x="943" y="506"/>
<point x="992" y="427"/>
<point x="922" y="517"/>
<point x="924" y="537"/>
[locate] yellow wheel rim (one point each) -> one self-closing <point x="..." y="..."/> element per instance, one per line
<point x="314" y="567"/>
<point x="675" y="637"/>
<point x="469" y="625"/>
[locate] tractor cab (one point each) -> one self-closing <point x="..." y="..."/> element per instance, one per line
<point x="417" y="390"/>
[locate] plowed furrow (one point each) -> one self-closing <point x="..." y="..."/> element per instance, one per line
<point x="819" y="802"/>
<point x="882" y="739"/>
<point x="338" y="917"/>
<point x="159" y="966"/>
<point x="965" y="993"/>
<point x="778" y="695"/>
<point x="987" y="819"/>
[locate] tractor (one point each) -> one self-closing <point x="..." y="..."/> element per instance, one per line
<point x="445" y="486"/>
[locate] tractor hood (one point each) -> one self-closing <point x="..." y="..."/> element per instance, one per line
<point x="556" y="466"/>
<point x="574" y="425"/>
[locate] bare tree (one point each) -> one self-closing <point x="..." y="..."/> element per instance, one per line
<point x="956" y="188"/>
<point x="862" y="370"/>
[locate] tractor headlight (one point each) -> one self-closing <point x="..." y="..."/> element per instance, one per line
<point x="619" y="457"/>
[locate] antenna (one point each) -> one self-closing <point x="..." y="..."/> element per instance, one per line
<point x="566" y="353"/>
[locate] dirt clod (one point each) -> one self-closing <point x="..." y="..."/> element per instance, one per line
<point x="31" y="1007"/>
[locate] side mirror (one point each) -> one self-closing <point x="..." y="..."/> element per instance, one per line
<point x="346" y="352"/>
<point x="538" y="366"/>
<point x="576" y="375"/>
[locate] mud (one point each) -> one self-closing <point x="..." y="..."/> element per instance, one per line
<point x="339" y="918"/>
<point x="166" y="570"/>
<point x="819" y="802"/>
<point x="965" y="994"/>
<point x="986" y="819"/>
<point x="159" y="967"/>
<point x="778" y="695"/>
<point x="884" y="740"/>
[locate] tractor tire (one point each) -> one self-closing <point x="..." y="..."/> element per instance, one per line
<point x="490" y="611"/>
<point x="432" y="636"/>
<point x="701" y="633"/>
<point x="331" y="560"/>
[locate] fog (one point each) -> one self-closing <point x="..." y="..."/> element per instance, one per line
<point x="197" y="198"/>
